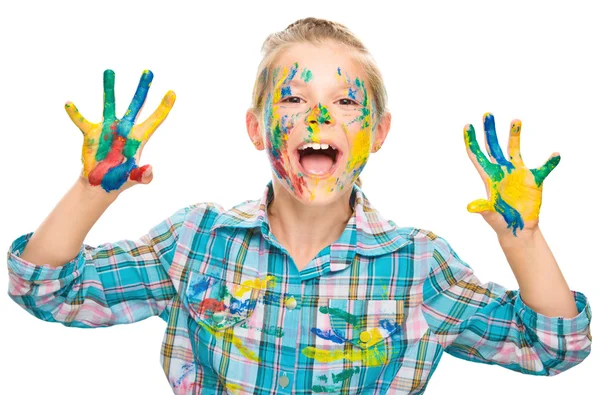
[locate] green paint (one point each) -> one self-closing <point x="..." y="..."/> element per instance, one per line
<point x="273" y="330"/>
<point x="324" y="115"/>
<point x="493" y="170"/>
<point x="323" y="377"/>
<point x="344" y="315"/>
<point x="324" y="388"/>
<point x="540" y="174"/>
<point x="344" y="374"/>
<point x="277" y="140"/>
<point x="276" y="331"/>
<point x="109" y="96"/>
<point x="306" y="75"/>
<point x="131" y="147"/>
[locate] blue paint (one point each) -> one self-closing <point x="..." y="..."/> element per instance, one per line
<point x="339" y="71"/>
<point x="118" y="175"/>
<point x="271" y="298"/>
<point x="352" y="93"/>
<point x="200" y="286"/>
<point x="328" y="335"/>
<point x="238" y="307"/>
<point x="140" y="96"/>
<point x="291" y="74"/>
<point x="512" y="217"/>
<point x="492" y="139"/>
<point x="389" y="325"/>
<point x="185" y="370"/>
<point x="286" y="91"/>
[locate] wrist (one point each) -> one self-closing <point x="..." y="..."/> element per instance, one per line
<point x="95" y="193"/>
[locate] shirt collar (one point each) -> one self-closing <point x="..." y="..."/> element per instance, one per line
<point x="367" y="231"/>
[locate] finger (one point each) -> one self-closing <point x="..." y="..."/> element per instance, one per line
<point x="514" y="143"/>
<point x="83" y="124"/>
<point x="491" y="142"/>
<point x="109" y="96"/>
<point x="480" y="205"/>
<point x="145" y="130"/>
<point x="140" y="96"/>
<point x="485" y="168"/>
<point x="141" y="174"/>
<point x="542" y="172"/>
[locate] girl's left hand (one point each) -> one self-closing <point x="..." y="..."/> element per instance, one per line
<point x="514" y="191"/>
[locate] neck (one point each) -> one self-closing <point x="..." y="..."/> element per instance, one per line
<point x="304" y="229"/>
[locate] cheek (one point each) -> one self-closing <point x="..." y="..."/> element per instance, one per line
<point x="359" y="139"/>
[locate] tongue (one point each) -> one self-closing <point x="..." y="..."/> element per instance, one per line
<point x="316" y="163"/>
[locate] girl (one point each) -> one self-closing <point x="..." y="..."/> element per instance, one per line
<point x="308" y="289"/>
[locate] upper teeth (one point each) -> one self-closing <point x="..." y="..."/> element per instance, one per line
<point x="315" y="146"/>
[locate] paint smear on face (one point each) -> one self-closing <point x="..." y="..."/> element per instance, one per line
<point x="358" y="130"/>
<point x="278" y="128"/>
<point x="306" y="75"/>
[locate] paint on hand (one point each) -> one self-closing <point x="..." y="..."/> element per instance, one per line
<point x="109" y="149"/>
<point x="515" y="191"/>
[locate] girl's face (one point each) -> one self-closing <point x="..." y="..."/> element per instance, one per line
<point x="317" y="121"/>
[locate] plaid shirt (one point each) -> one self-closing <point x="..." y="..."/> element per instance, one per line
<point x="370" y="314"/>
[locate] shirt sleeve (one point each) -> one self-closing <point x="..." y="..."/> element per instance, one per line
<point x="487" y="323"/>
<point x="114" y="283"/>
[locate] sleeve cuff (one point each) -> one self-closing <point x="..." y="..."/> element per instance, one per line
<point x="558" y="325"/>
<point x="31" y="272"/>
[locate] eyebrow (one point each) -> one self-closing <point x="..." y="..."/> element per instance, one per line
<point x="345" y="85"/>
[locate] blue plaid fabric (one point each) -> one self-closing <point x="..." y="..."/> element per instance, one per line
<point x="370" y="314"/>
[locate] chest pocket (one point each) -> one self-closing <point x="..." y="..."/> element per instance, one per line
<point x="369" y="325"/>
<point x="218" y="304"/>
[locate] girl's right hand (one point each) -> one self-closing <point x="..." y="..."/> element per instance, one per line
<point x="112" y="149"/>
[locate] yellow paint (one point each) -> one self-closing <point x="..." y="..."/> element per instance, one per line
<point x="375" y="336"/>
<point x="233" y="387"/>
<point x="374" y="356"/>
<point x="255" y="283"/>
<point x="237" y="342"/>
<point x="359" y="152"/>
<point x="516" y="190"/>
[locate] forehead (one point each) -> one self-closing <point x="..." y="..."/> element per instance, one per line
<point x="329" y="63"/>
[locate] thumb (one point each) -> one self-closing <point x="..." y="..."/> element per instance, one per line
<point x="142" y="175"/>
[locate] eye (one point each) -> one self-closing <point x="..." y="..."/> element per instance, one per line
<point x="291" y="99"/>
<point x="347" y="102"/>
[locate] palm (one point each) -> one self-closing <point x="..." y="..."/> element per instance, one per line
<point x="514" y="191"/>
<point x="112" y="149"/>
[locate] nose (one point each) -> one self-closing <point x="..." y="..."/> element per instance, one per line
<point x="319" y="115"/>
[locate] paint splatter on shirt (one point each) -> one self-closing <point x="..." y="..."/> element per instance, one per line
<point x="371" y="313"/>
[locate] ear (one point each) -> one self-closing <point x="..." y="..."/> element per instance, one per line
<point x="253" y="127"/>
<point x="381" y="131"/>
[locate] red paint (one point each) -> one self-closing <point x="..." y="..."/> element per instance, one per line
<point x="112" y="159"/>
<point x="136" y="174"/>
<point x="211" y="304"/>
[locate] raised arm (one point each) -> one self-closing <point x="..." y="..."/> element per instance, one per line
<point x="53" y="274"/>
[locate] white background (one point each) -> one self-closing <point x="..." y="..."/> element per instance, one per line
<point x="444" y="63"/>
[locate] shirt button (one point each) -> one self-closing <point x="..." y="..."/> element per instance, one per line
<point x="365" y="336"/>
<point x="291" y="303"/>
<point x="283" y="381"/>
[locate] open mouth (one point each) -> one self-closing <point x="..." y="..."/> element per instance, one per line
<point x="318" y="160"/>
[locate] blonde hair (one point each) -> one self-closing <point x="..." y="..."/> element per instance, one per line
<point x="317" y="31"/>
